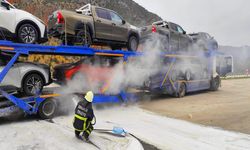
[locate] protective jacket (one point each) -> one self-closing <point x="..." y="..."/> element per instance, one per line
<point x="83" y="115"/>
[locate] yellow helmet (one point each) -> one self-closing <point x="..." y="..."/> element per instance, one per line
<point x="89" y="96"/>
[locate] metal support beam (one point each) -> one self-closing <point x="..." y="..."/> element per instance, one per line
<point x="8" y="66"/>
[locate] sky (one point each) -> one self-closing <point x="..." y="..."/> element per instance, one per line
<point x="228" y="21"/>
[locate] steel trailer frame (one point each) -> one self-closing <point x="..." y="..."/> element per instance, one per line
<point x="31" y="105"/>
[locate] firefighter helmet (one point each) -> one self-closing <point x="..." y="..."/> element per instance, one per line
<point x="89" y="96"/>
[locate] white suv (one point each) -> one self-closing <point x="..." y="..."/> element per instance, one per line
<point x="20" y="26"/>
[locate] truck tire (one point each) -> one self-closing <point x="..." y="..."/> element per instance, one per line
<point x="215" y="83"/>
<point x="80" y="38"/>
<point x="47" y="109"/>
<point x="133" y="43"/>
<point x="181" y="91"/>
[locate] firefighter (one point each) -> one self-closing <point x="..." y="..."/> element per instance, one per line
<point x="84" y="115"/>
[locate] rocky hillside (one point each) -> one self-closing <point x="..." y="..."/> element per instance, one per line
<point x="128" y="9"/>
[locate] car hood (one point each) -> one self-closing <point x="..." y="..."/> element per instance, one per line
<point x="28" y="15"/>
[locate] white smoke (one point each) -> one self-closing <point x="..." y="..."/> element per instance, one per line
<point x="137" y="70"/>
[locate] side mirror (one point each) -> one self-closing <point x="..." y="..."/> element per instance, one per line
<point x="123" y="21"/>
<point x="184" y="32"/>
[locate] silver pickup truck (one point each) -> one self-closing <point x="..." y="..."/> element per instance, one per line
<point x="93" y="25"/>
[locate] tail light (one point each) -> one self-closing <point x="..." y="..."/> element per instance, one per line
<point x="153" y="29"/>
<point x="60" y="18"/>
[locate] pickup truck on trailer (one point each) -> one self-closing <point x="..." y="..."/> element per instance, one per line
<point x="172" y="35"/>
<point x="93" y="25"/>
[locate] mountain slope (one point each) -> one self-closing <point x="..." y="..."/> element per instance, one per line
<point x="128" y="9"/>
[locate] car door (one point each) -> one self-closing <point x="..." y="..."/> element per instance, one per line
<point x="183" y="38"/>
<point x="120" y="28"/>
<point x="7" y="18"/>
<point x="103" y="24"/>
<point x="13" y="75"/>
<point x="174" y="37"/>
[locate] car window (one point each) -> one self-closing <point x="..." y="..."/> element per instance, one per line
<point x="102" y="13"/>
<point x="208" y="36"/>
<point x="173" y="27"/>
<point x="4" y="5"/>
<point x="180" y="30"/>
<point x="115" y="17"/>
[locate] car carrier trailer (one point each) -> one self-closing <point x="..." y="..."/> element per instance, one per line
<point x="38" y="104"/>
<point x="170" y="80"/>
<point x="45" y="106"/>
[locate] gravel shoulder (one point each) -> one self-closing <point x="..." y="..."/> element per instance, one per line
<point x="227" y="108"/>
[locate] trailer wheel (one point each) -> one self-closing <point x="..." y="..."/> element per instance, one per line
<point x="215" y="83"/>
<point x="47" y="109"/>
<point x="182" y="90"/>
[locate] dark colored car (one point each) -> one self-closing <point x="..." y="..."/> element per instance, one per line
<point x="172" y="35"/>
<point x="204" y="41"/>
<point x="95" y="71"/>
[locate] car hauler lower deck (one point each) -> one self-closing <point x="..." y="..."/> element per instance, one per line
<point x="165" y="82"/>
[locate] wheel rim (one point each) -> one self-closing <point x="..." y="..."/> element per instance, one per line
<point x="48" y="108"/>
<point x="80" y="39"/>
<point x="28" y="34"/>
<point x="34" y="85"/>
<point x="133" y="44"/>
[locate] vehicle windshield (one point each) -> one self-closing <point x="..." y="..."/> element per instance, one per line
<point x="6" y="3"/>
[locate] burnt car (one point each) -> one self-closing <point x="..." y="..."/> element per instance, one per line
<point x="93" y="25"/>
<point x="90" y="71"/>
<point x="204" y="41"/>
<point x="173" y="37"/>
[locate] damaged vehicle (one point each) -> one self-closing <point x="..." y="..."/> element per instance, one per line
<point x="93" y="25"/>
<point x="95" y="71"/>
<point x="171" y="35"/>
